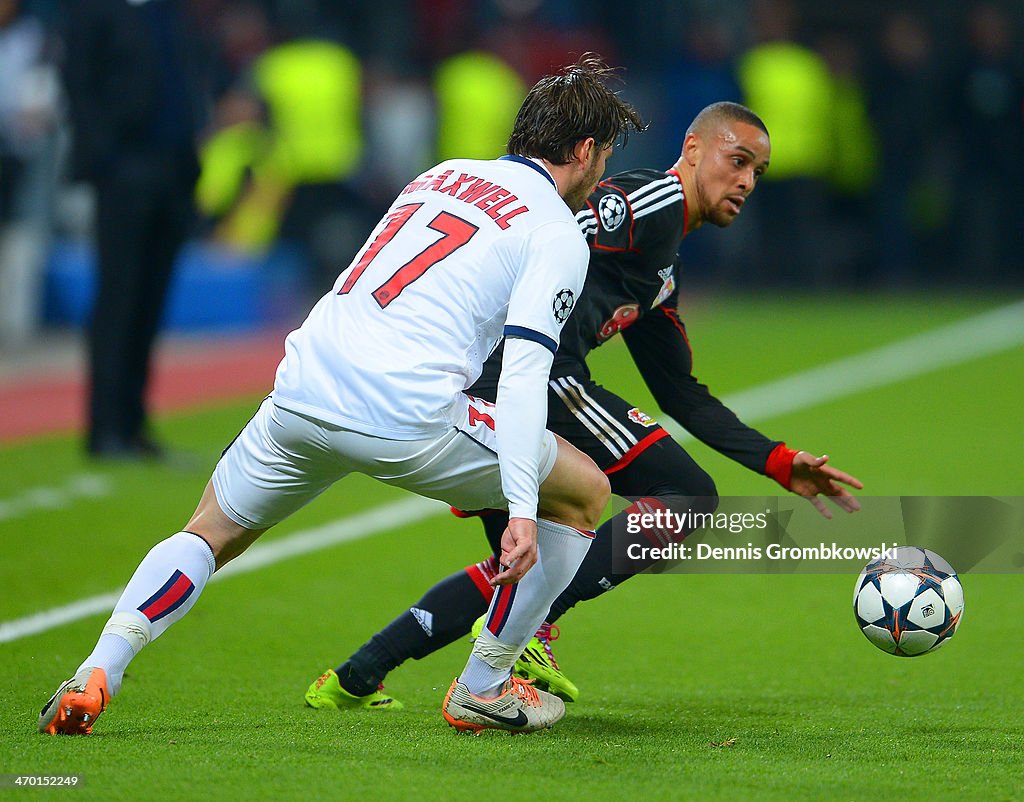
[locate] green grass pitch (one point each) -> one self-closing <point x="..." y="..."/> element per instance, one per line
<point x="712" y="687"/>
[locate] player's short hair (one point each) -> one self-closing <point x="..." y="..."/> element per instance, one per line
<point x="564" y="109"/>
<point x="724" y="111"/>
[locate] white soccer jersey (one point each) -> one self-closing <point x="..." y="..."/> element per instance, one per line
<point x="469" y="251"/>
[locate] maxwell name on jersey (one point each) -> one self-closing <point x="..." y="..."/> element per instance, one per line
<point x="471" y="189"/>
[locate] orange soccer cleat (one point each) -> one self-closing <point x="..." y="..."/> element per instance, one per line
<point x="76" y="705"/>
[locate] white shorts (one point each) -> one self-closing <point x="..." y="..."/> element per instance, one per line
<point x="282" y="460"/>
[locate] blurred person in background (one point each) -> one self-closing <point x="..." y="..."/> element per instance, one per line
<point x="239" y="193"/>
<point x="489" y="58"/>
<point x="988" y="119"/>
<point x="134" y="104"/>
<point x="283" y="162"/>
<point x="313" y="92"/>
<point x="401" y="122"/>
<point x="907" y="102"/>
<point x="703" y="72"/>
<point x="854" y="172"/>
<point x="790" y="87"/>
<point x="477" y="97"/>
<point x="29" y="160"/>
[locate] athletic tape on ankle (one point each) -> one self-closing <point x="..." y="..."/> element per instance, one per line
<point x="133" y="627"/>
<point x="498" y="655"/>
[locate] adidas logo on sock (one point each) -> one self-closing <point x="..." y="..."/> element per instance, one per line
<point x="426" y="619"/>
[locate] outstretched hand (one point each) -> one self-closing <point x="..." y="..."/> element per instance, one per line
<point x="518" y="550"/>
<point x="812" y="477"/>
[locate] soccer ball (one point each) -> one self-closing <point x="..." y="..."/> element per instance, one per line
<point x="908" y="603"/>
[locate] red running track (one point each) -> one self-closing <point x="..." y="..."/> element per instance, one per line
<point x="185" y="375"/>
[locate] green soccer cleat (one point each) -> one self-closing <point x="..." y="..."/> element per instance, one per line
<point x="538" y="663"/>
<point x="478" y="627"/>
<point x="327" y="694"/>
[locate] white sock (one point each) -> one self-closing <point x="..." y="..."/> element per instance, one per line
<point x="163" y="588"/>
<point x="112" y="653"/>
<point x="517" y="611"/>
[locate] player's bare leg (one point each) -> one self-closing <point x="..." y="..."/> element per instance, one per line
<point x="226" y="538"/>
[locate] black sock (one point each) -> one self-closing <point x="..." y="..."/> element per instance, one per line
<point x="445" y="613"/>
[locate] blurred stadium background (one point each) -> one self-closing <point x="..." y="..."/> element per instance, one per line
<point x="893" y="209"/>
<point x="896" y="131"/>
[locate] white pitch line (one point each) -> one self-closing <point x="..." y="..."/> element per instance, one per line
<point x="356" y="527"/>
<point x="45" y="497"/>
<point x="984" y="334"/>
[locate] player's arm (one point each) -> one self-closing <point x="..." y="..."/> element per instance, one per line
<point x="557" y="263"/>
<point x="662" y="353"/>
<point x="522" y="413"/>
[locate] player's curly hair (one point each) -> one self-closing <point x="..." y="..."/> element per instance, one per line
<point x="564" y="109"/>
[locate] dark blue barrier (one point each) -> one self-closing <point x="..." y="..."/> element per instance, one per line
<point x="212" y="288"/>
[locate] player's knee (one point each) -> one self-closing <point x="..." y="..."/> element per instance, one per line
<point x="597" y="491"/>
<point x="696" y="485"/>
<point x="697" y="494"/>
<point x="705" y="490"/>
<point x="581" y="505"/>
<point x="226" y="538"/>
<point x="576" y="492"/>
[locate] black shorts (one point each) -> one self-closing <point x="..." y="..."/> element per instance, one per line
<point x="635" y="452"/>
<point x="605" y="427"/>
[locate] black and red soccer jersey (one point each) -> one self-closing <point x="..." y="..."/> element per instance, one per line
<point x="634" y="222"/>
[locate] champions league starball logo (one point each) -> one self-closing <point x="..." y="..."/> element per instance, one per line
<point x="563" y="304"/>
<point x="612" y="211"/>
